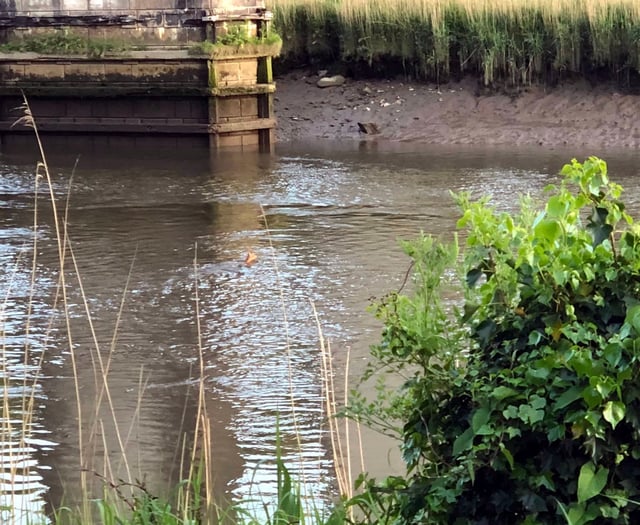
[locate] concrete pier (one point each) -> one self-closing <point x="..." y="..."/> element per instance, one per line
<point x="164" y="81"/>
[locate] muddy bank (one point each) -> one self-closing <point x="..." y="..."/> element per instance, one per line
<point x="571" y="115"/>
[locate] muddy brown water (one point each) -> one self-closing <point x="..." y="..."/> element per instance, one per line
<point x="323" y="219"/>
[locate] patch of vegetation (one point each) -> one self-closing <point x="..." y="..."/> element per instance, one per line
<point x="65" y="43"/>
<point x="523" y="406"/>
<point x="237" y="41"/>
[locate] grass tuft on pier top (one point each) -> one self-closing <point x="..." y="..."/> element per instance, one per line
<point x="509" y="42"/>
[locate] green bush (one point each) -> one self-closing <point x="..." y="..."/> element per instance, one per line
<point x="522" y="406"/>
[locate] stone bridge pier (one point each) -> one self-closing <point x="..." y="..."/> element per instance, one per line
<point x="140" y="69"/>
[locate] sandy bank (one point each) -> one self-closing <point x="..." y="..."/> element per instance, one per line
<point x="569" y="115"/>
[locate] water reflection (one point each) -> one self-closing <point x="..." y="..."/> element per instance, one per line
<point x="324" y="222"/>
<point x="24" y="317"/>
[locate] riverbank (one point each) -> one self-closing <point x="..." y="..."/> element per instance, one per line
<point x="573" y="114"/>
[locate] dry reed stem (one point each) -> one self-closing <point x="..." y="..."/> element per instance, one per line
<point x="202" y="431"/>
<point x="103" y="368"/>
<point x="287" y="338"/>
<point x="341" y="452"/>
<point x="28" y="120"/>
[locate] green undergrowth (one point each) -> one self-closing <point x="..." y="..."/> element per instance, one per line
<point x="66" y="43"/>
<point x="141" y="507"/>
<point x="521" y="404"/>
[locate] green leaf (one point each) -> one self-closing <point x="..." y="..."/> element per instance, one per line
<point x="511" y="412"/>
<point x="633" y="317"/>
<point x="614" y="412"/>
<point x="480" y="418"/>
<point x="591" y="482"/>
<point x="463" y="442"/>
<point x="527" y="413"/>
<point x="568" y="397"/>
<point x="507" y="454"/>
<point x="538" y="402"/>
<point x="612" y="353"/>
<point x="535" y="337"/>
<point x="557" y="206"/>
<point x="503" y="392"/>
<point x="556" y="433"/>
<point x="548" y="229"/>
<point x="575" y="514"/>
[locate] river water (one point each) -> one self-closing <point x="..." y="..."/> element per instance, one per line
<point x="151" y="232"/>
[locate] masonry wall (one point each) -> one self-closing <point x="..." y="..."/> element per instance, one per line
<point x="158" y="93"/>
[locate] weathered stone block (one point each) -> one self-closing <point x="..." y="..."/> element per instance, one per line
<point x="91" y="71"/>
<point x="148" y="108"/>
<point x="249" y="71"/>
<point x="120" y="107"/>
<point x="194" y="109"/>
<point x="227" y="73"/>
<point x="249" y="106"/>
<point x="42" y="108"/>
<point x="229" y="108"/>
<point x="250" y="139"/>
<point x="118" y="70"/>
<point x="45" y="70"/>
<point x="11" y="71"/>
<point x="230" y="141"/>
<point x="78" y="108"/>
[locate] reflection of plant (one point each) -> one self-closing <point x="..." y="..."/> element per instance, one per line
<point x="523" y="407"/>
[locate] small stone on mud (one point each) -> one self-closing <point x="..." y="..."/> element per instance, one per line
<point x="324" y="82"/>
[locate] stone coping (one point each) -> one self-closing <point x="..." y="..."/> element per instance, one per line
<point x="150" y="54"/>
<point x="229" y="53"/>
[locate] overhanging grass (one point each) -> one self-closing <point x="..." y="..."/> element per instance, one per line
<point x="511" y="41"/>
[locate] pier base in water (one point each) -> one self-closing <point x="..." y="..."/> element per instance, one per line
<point x="224" y="93"/>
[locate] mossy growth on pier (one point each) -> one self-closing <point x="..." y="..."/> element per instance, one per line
<point x="234" y="44"/>
<point x="65" y="42"/>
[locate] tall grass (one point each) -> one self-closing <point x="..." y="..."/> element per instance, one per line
<point x="123" y="499"/>
<point x="514" y="42"/>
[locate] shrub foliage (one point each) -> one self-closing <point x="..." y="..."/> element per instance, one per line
<point x="523" y="405"/>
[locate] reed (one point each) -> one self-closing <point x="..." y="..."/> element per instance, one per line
<point x="513" y="42"/>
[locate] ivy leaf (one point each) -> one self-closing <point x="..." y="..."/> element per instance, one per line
<point x="463" y="442"/>
<point x="480" y="418"/>
<point x="507" y="454"/>
<point x="527" y="413"/>
<point x="590" y="481"/>
<point x="568" y="397"/>
<point x="612" y="353"/>
<point x="633" y="317"/>
<point x="503" y="392"/>
<point x="614" y="412"/>
<point x="535" y="337"/>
